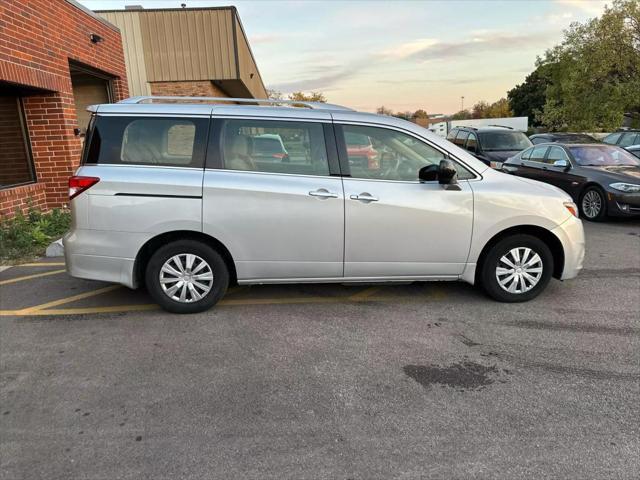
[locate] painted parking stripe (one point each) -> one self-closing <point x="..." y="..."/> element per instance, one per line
<point x="73" y="298"/>
<point x="29" y="277"/>
<point x="42" y="264"/>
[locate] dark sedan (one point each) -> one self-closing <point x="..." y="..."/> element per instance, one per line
<point x="602" y="179"/>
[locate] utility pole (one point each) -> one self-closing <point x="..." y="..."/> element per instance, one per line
<point x="462" y="103"/>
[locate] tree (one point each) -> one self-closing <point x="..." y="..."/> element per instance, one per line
<point x="528" y="98"/>
<point x="308" y="97"/>
<point x="461" y="115"/>
<point x="500" y="109"/>
<point x="384" y="110"/>
<point x="594" y="74"/>
<point x="420" y="113"/>
<point x="480" y="109"/>
<point x="274" y="94"/>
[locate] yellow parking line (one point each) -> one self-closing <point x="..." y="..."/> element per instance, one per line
<point x="29" y="277"/>
<point x="43" y="264"/>
<point x="87" y="310"/>
<point x="364" y="294"/>
<point x="70" y="299"/>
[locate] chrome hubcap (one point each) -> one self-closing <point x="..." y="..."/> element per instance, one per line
<point x="186" y="278"/>
<point x="591" y="204"/>
<point x="519" y="270"/>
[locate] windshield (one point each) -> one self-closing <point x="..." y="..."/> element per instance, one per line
<point x="602" y="156"/>
<point x="503" y="141"/>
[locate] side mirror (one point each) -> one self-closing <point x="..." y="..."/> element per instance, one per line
<point x="428" y="173"/>
<point x="447" y="173"/>
<point x="562" y="164"/>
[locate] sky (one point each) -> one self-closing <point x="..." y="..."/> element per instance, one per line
<point x="401" y="54"/>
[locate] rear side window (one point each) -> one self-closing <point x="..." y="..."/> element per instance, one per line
<point x="452" y="135"/>
<point x="612" y="139"/>
<point x="538" y="153"/>
<point x="157" y="141"/>
<point x="274" y="146"/>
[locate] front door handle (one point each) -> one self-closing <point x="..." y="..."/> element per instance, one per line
<point x="323" y="193"/>
<point x="364" y="197"/>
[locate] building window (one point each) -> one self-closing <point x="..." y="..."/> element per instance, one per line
<point x="16" y="164"/>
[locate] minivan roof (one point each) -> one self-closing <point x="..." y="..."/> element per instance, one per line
<point x="317" y="112"/>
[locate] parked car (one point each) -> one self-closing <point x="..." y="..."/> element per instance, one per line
<point x="623" y="138"/>
<point x="269" y="147"/>
<point x="492" y="145"/>
<point x="561" y="137"/>
<point x="361" y="151"/>
<point x="602" y="179"/>
<point x="169" y="196"/>
<point x="635" y="150"/>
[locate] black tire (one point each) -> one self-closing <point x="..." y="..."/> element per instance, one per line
<point x="590" y="192"/>
<point x="492" y="260"/>
<point x="217" y="265"/>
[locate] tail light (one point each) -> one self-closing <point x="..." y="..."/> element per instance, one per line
<point x="77" y="185"/>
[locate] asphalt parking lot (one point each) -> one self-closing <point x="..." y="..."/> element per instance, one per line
<point x="325" y="381"/>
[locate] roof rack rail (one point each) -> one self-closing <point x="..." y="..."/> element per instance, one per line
<point x="501" y="126"/>
<point x="466" y="126"/>
<point x="269" y="101"/>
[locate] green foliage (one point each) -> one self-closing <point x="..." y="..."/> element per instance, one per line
<point x="528" y="98"/>
<point x="26" y="236"/>
<point x="483" y="109"/>
<point x="308" y="97"/>
<point x="594" y="74"/>
<point x="462" y="115"/>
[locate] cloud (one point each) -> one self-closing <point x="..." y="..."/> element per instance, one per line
<point x="259" y="39"/>
<point x="483" y="42"/>
<point x="331" y="77"/>
<point x="591" y="7"/>
<point x="407" y="49"/>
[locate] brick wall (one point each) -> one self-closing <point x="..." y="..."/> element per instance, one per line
<point x="204" y="88"/>
<point x="37" y="40"/>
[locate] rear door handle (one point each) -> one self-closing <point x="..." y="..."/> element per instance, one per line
<point x="323" y="193"/>
<point x="364" y="197"/>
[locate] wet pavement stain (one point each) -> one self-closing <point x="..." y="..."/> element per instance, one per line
<point x="464" y="376"/>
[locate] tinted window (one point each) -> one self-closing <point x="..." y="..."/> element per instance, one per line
<point x="636" y="152"/>
<point x="603" y="155"/>
<point x="392" y="155"/>
<point x="526" y="154"/>
<point x="472" y="142"/>
<point x="537" y="154"/>
<point x="612" y="139"/>
<point x="556" y="154"/>
<point x="503" y="141"/>
<point x="460" y="138"/>
<point x="178" y="142"/>
<point x="629" y="139"/>
<point x="274" y="146"/>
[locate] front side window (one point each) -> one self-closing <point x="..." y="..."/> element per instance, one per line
<point x="504" y="141"/>
<point x="526" y="155"/>
<point x="537" y="154"/>
<point x="472" y="143"/>
<point x="16" y="167"/>
<point x="612" y="139"/>
<point x="393" y="155"/>
<point x="556" y="154"/>
<point x="461" y="138"/>
<point x="275" y="147"/>
<point x="151" y="141"/>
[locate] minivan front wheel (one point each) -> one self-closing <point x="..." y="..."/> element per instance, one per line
<point x="517" y="268"/>
<point x="186" y="276"/>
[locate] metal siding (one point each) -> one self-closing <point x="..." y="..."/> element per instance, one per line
<point x="129" y="25"/>
<point x="247" y="65"/>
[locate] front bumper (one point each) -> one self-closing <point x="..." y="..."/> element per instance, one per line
<point x="623" y="204"/>
<point x="571" y="235"/>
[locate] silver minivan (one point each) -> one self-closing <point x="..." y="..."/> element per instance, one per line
<point x="176" y="194"/>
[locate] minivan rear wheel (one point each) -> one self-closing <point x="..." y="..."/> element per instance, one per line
<point x="186" y="276"/>
<point x="517" y="268"/>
